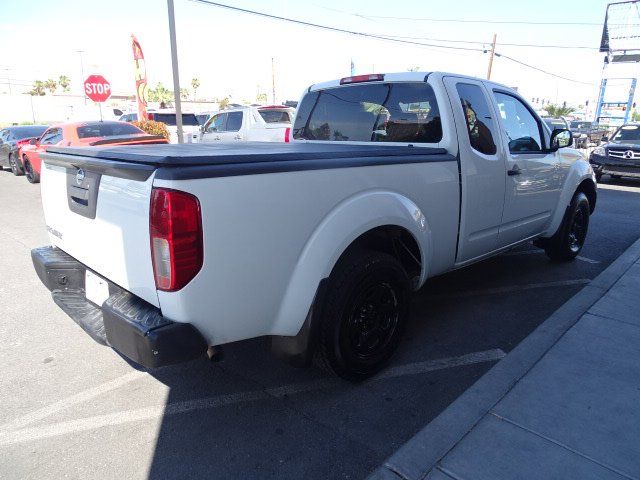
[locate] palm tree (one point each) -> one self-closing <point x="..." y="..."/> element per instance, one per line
<point x="51" y="85"/>
<point x="184" y="94"/>
<point x="64" y="82"/>
<point x="38" y="89"/>
<point x="557" y="110"/>
<point x="195" y="84"/>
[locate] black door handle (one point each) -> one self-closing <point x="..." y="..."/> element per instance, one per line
<point x="514" y="171"/>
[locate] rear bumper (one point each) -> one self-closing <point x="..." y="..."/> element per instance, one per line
<point x="124" y="322"/>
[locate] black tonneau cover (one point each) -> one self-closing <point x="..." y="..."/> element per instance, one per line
<point x="189" y="161"/>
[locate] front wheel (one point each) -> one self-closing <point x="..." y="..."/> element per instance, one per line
<point x="32" y="175"/>
<point x="566" y="244"/>
<point x="364" y="313"/>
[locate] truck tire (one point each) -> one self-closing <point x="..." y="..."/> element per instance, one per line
<point x="32" y="175"/>
<point x="567" y="242"/>
<point x="364" y="313"/>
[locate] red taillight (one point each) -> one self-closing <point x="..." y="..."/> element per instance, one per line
<point x="24" y="141"/>
<point x="287" y="135"/>
<point x="150" y="116"/>
<point x="375" y="77"/>
<point x="175" y="225"/>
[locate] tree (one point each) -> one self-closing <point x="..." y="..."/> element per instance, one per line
<point x="195" y="84"/>
<point x="64" y="82"/>
<point x="223" y="103"/>
<point x="37" y="90"/>
<point x="160" y="94"/>
<point x="184" y="94"/>
<point x="261" y="98"/>
<point x="413" y="69"/>
<point x="51" y="85"/>
<point x="557" y="110"/>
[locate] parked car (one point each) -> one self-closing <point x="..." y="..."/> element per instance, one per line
<point x="585" y="133"/>
<point x="620" y="156"/>
<point x="391" y="179"/>
<point x="11" y="139"/>
<point x="557" y="122"/>
<point x="249" y="124"/>
<point x="82" y="134"/>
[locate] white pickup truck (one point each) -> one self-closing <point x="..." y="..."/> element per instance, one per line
<point x="164" y="251"/>
<point x="249" y="124"/>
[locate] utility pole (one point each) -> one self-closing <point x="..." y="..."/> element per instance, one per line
<point x="493" y="52"/>
<point x="273" y="83"/>
<point x="84" y="94"/>
<point x="174" y="66"/>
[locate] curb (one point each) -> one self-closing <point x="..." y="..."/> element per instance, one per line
<point x="415" y="459"/>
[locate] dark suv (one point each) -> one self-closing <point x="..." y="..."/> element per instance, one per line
<point x="620" y="157"/>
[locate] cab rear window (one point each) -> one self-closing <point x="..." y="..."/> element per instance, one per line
<point x="376" y="112"/>
<point x="104" y="129"/>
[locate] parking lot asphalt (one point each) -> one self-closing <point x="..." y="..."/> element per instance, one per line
<point x="73" y="409"/>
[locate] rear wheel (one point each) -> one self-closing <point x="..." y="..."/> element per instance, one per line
<point x="15" y="168"/>
<point x="569" y="239"/>
<point x="363" y="317"/>
<point x="31" y="174"/>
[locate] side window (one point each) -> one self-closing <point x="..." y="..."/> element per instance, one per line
<point x="234" y="122"/>
<point x="51" y="136"/>
<point x="216" y="123"/>
<point x="521" y="127"/>
<point x="478" y="118"/>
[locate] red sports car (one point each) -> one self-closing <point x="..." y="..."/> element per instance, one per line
<point x="81" y="134"/>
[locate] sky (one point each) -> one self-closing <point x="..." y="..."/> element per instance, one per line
<point x="230" y="52"/>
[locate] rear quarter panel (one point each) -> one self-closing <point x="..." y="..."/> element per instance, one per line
<point x="260" y="229"/>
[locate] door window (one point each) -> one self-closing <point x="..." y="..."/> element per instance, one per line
<point x="51" y="136"/>
<point x="521" y="127"/>
<point x="216" y="123"/>
<point x="234" y="122"/>
<point x="478" y="118"/>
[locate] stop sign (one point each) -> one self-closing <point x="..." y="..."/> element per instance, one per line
<point x="97" y="88"/>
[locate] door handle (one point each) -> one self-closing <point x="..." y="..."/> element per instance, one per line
<point x="216" y="138"/>
<point x="514" y="171"/>
<point x="238" y="137"/>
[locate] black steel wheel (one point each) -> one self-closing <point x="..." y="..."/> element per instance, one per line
<point x="32" y="175"/>
<point x="567" y="243"/>
<point x="363" y="317"/>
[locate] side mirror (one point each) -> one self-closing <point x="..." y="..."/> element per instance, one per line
<point x="33" y="141"/>
<point x="604" y="138"/>
<point x="560" y="138"/>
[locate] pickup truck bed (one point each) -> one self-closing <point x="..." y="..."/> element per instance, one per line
<point x="182" y="162"/>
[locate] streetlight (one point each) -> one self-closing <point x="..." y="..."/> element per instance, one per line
<point x="84" y="94"/>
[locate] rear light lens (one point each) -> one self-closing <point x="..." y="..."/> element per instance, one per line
<point x="175" y="225"/>
<point x="287" y="135"/>
<point x="375" y="77"/>
<point x="150" y="116"/>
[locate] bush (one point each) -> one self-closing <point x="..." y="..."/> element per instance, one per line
<point x="153" y="128"/>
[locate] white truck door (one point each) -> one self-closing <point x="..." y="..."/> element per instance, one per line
<point x="233" y="128"/>
<point x="482" y="167"/>
<point x="532" y="181"/>
<point x="213" y="128"/>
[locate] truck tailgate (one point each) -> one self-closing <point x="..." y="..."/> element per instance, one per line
<point x="103" y="222"/>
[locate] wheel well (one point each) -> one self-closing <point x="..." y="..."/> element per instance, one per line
<point x="396" y="241"/>
<point x="589" y="189"/>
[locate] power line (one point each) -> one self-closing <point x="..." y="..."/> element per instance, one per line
<point x="480" y="42"/>
<point x="375" y="36"/>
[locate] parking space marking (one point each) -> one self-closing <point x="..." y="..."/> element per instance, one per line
<point x="512" y="288"/>
<point x="72" y="400"/>
<point x="621" y="188"/>
<point x="12" y="437"/>
<point x="536" y="251"/>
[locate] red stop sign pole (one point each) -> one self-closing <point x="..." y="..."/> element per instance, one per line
<point x="97" y="89"/>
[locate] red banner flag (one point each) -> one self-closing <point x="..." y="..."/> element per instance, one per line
<point x="141" y="78"/>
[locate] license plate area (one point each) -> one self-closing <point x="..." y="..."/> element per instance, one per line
<point x="96" y="288"/>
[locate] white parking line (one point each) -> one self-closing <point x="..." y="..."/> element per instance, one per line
<point x="511" y="288"/>
<point x="72" y="400"/>
<point x="12" y="437"/>
<point x="536" y="251"/>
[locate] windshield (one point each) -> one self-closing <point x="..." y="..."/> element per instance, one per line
<point x="107" y="129"/>
<point x="375" y="112"/>
<point x="627" y="134"/>
<point x="275" y="116"/>
<point x="27" y="132"/>
<point x="188" y="119"/>
<point x="580" y="124"/>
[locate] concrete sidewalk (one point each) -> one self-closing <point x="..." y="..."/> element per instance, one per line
<point x="564" y="404"/>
